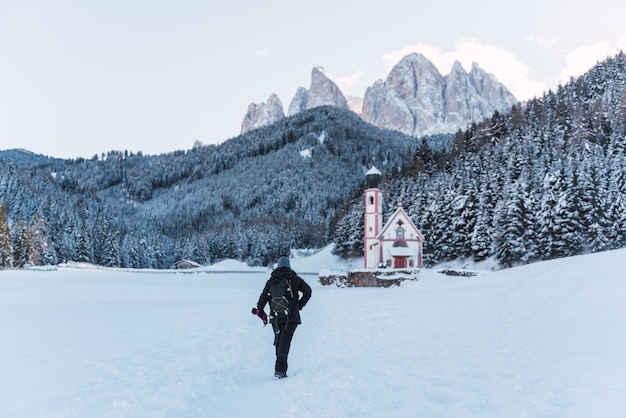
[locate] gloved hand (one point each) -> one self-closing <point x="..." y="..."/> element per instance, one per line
<point x="261" y="314"/>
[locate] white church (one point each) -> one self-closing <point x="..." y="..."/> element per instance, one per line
<point x="396" y="244"/>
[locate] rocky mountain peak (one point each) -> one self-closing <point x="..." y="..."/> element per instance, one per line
<point x="323" y="91"/>
<point x="299" y="101"/>
<point x="262" y="114"/>
<point x="412" y="72"/>
<point x="415" y="98"/>
<point x="489" y="88"/>
<point x="457" y="70"/>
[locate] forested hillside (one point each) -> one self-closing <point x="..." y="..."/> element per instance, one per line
<point x="251" y="198"/>
<point x="546" y="180"/>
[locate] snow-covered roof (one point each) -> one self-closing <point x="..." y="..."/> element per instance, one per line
<point x="373" y="170"/>
<point x="191" y="263"/>
<point x="402" y="252"/>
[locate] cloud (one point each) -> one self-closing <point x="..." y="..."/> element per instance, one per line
<point x="503" y="64"/>
<point x="582" y="59"/>
<point x="346" y="83"/>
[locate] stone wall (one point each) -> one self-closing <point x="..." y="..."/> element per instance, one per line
<point x="367" y="278"/>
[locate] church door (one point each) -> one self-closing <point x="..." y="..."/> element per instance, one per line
<point x="399" y="262"/>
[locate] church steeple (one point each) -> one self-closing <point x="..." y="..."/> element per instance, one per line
<point x="373" y="221"/>
<point x="373" y="177"/>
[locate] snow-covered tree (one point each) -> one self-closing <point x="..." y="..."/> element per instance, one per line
<point x="6" y="248"/>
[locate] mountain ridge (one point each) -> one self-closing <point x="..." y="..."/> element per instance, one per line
<point x="415" y="99"/>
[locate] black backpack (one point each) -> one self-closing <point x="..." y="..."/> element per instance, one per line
<point x="281" y="295"/>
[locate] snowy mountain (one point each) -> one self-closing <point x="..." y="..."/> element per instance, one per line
<point x="322" y="92"/>
<point x="417" y="100"/>
<point x="299" y="101"/>
<point x="546" y="340"/>
<point x="262" y="114"/>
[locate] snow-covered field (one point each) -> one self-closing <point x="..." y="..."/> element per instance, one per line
<point x="545" y="340"/>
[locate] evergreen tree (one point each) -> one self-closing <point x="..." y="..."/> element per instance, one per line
<point x="463" y="225"/>
<point x="445" y="226"/>
<point x="348" y="236"/>
<point x="83" y="249"/>
<point x="6" y="248"/>
<point x="568" y="218"/>
<point x="547" y="215"/>
<point x="43" y="250"/>
<point x="594" y="204"/>
<point x="105" y="237"/>
<point x="22" y="244"/>
<point x="132" y="256"/>
<point x="510" y="221"/>
<point x="616" y="212"/>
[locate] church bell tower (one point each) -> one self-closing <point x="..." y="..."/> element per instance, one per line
<point x="373" y="218"/>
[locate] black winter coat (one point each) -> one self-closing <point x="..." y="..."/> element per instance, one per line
<point x="297" y="284"/>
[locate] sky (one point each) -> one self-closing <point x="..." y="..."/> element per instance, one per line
<point x="80" y="78"/>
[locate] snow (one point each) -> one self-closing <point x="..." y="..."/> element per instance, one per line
<point x="373" y="170"/>
<point x="305" y="153"/>
<point x="322" y="137"/>
<point x="231" y="265"/>
<point x="543" y="340"/>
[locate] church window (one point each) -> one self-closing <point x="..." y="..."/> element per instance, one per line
<point x="400" y="230"/>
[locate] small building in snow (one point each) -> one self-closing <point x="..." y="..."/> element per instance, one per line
<point x="396" y="244"/>
<point x="186" y="264"/>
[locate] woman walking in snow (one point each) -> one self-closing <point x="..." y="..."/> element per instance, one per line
<point x="282" y="292"/>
